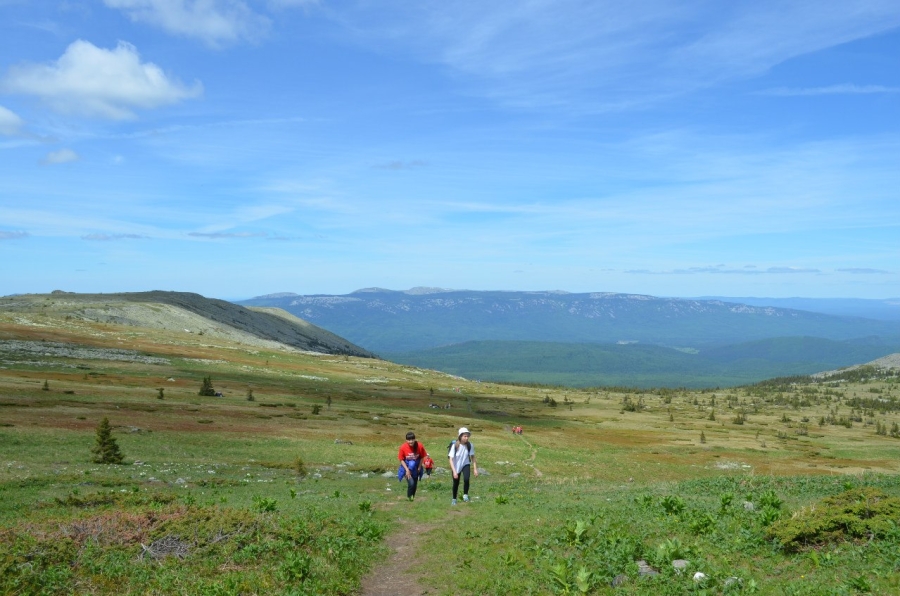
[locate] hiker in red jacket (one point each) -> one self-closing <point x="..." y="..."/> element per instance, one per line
<point x="428" y="464"/>
<point x="411" y="454"/>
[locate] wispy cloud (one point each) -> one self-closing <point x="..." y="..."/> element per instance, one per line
<point x="608" y="55"/>
<point x="215" y="22"/>
<point x="10" y="123"/>
<point x="401" y="165"/>
<point x="112" y="237"/>
<point x="221" y="235"/>
<point x="61" y="156"/>
<point x="91" y="81"/>
<point x="846" y="89"/>
<point x="7" y="235"/>
<point x="722" y="270"/>
<point x="864" y="271"/>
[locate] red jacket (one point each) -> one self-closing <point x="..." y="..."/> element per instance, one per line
<point x="406" y="452"/>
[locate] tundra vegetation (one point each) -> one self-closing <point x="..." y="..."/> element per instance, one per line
<point x="792" y="487"/>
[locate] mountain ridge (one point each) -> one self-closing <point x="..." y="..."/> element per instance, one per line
<point x="399" y="321"/>
<point x="191" y="313"/>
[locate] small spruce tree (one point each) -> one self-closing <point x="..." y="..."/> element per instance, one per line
<point x="250" y="395"/>
<point x="160" y="394"/>
<point x="46" y="386"/>
<point x="106" y="451"/>
<point x="702" y="437"/>
<point x="206" y="388"/>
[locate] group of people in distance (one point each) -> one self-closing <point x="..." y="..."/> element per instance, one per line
<point x="415" y="462"/>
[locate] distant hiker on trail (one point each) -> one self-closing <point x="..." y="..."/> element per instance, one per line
<point x="411" y="455"/>
<point x="428" y="464"/>
<point x="462" y="458"/>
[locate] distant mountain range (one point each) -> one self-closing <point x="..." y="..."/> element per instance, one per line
<point x="387" y="321"/>
<point x="882" y="310"/>
<point x="600" y="338"/>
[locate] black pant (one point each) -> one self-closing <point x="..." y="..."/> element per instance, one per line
<point x="464" y="474"/>
<point x="412" y="483"/>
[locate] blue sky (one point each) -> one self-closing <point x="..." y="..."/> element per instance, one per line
<point x="241" y="147"/>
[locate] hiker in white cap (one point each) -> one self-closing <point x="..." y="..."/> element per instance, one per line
<point x="462" y="458"/>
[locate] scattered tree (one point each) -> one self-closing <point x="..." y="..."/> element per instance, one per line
<point x="250" y="395"/>
<point x="316" y="409"/>
<point x="702" y="437"/>
<point x="106" y="451"/>
<point x="160" y="393"/>
<point x="207" y="387"/>
<point x="46" y="386"/>
<point x="328" y="402"/>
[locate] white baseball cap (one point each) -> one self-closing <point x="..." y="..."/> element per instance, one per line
<point x="463" y="431"/>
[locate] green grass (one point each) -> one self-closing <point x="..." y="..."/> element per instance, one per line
<point x="575" y="502"/>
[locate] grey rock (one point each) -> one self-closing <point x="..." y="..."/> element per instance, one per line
<point x="619" y="580"/>
<point x="644" y="569"/>
<point x="680" y="564"/>
<point x="748" y="506"/>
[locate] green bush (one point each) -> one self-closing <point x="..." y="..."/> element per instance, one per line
<point x="854" y="514"/>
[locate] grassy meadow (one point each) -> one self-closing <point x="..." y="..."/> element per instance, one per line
<point x="286" y="483"/>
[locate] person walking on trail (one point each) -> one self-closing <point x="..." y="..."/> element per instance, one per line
<point x="428" y="464"/>
<point x="411" y="455"/>
<point x="462" y="461"/>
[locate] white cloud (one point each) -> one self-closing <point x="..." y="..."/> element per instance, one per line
<point x="7" y="235"/>
<point x="92" y="81"/>
<point x="292" y="3"/>
<point x="10" y="123"/>
<point x="845" y="89"/>
<point x="61" y="156"/>
<point x="720" y="269"/>
<point x="220" y="235"/>
<point x="216" y="22"/>
<point x="609" y="55"/>
<point x="864" y="271"/>
<point x="112" y="237"/>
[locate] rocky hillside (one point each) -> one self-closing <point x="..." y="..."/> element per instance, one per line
<point x="186" y="312"/>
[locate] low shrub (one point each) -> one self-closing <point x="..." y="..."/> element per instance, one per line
<point x="854" y="514"/>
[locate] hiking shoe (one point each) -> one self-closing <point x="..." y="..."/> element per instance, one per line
<point x="466" y="498"/>
<point x="453" y="501"/>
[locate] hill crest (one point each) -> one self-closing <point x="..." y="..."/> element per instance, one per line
<point x="191" y="313"/>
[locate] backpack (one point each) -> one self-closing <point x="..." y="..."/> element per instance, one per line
<point x="452" y="443"/>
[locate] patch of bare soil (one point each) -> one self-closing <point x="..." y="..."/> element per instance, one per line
<point x="397" y="574"/>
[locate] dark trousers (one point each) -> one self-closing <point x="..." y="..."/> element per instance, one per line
<point x="412" y="483"/>
<point x="464" y="474"/>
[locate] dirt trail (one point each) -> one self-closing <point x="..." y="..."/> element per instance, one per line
<point x="395" y="575"/>
<point x="530" y="461"/>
